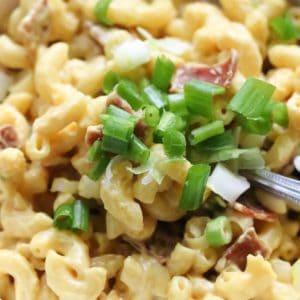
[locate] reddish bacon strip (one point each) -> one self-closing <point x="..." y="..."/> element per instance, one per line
<point x="247" y="243"/>
<point x="221" y="74"/>
<point x="254" y="211"/>
<point x="93" y="133"/>
<point x="8" y="137"/>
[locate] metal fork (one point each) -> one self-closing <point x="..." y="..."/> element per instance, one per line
<point x="282" y="186"/>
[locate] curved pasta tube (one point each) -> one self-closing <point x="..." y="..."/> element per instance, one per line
<point x="49" y="63"/>
<point x="26" y="281"/>
<point x="284" y="56"/>
<point x="293" y="106"/>
<point x="67" y="265"/>
<point x="45" y="292"/>
<point x="10" y="116"/>
<point x="17" y="216"/>
<point x="180" y="288"/>
<point x="13" y="55"/>
<point x="116" y="193"/>
<point x="139" y="12"/>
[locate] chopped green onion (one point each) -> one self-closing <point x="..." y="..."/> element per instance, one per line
<point x="177" y="104"/>
<point x="167" y="122"/>
<point x="63" y="216"/>
<point x="285" y="28"/>
<point x="214" y="204"/>
<point x="121" y="113"/>
<point x="95" y="151"/>
<point x="194" y="187"/>
<point x="99" y="167"/>
<point x="252" y="99"/>
<point x="218" y="142"/>
<point x="256" y="125"/>
<point x="101" y="10"/>
<point x="117" y="133"/>
<point x="174" y="143"/>
<point x="280" y="114"/>
<point x="251" y="159"/>
<point x="152" y="116"/>
<point x="80" y="216"/>
<point x="138" y="152"/>
<point x="205" y="132"/>
<point x="218" y="232"/>
<point x="153" y="96"/>
<point x="199" y="97"/>
<point x="163" y="72"/>
<point x="144" y="83"/>
<point x="128" y="91"/>
<point x="110" y="80"/>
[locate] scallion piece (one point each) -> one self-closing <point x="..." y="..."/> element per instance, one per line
<point x="63" y="216"/>
<point x="99" y="168"/>
<point x="152" y="116"/>
<point x="81" y="216"/>
<point x="110" y="80"/>
<point x="218" y="232"/>
<point x="128" y="91"/>
<point x="121" y="113"/>
<point x="167" y="122"/>
<point x="199" y="97"/>
<point x="219" y="142"/>
<point x="177" y="104"/>
<point x="95" y="151"/>
<point x="117" y="133"/>
<point x="194" y="187"/>
<point x="256" y="125"/>
<point x="163" y="72"/>
<point x="138" y="152"/>
<point x="284" y="28"/>
<point x="153" y="96"/>
<point x="205" y="132"/>
<point x="252" y="99"/>
<point x="174" y="143"/>
<point x="101" y="10"/>
<point x="280" y="114"/>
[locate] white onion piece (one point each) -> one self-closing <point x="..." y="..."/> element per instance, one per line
<point x="173" y="46"/>
<point x="297" y="163"/>
<point x="5" y="82"/>
<point x="227" y="184"/>
<point x="131" y="54"/>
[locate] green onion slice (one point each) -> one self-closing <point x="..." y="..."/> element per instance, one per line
<point x="152" y="116"/>
<point x="138" y="152"/>
<point x="110" y="80"/>
<point x="81" y="216"/>
<point x="99" y="168"/>
<point x="174" y="143"/>
<point x="280" y="114"/>
<point x="153" y="96"/>
<point x="167" y="122"/>
<point x="199" y="97"/>
<point x="177" y="104"/>
<point x="129" y="92"/>
<point x="95" y="151"/>
<point x="121" y="113"/>
<point x="219" y="142"/>
<point x="101" y="10"/>
<point x="63" y="216"/>
<point x="163" y="72"/>
<point x="218" y="232"/>
<point x="194" y="187"/>
<point x="284" y="28"/>
<point x="205" y="132"/>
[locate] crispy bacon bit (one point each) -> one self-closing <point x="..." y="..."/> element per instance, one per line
<point x="116" y="100"/>
<point x="93" y="133"/>
<point x="96" y="32"/>
<point x="220" y="74"/>
<point x="254" y="210"/>
<point x="8" y="137"/>
<point x="35" y="25"/>
<point x="140" y="129"/>
<point x="247" y="243"/>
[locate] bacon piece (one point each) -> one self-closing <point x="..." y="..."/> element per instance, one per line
<point x="93" y="133"/>
<point x="247" y="243"/>
<point x="220" y="74"/>
<point x="255" y="211"/>
<point x="8" y="137"/>
<point x="116" y="100"/>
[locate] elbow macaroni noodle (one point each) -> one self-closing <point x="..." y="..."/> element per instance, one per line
<point x="53" y="58"/>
